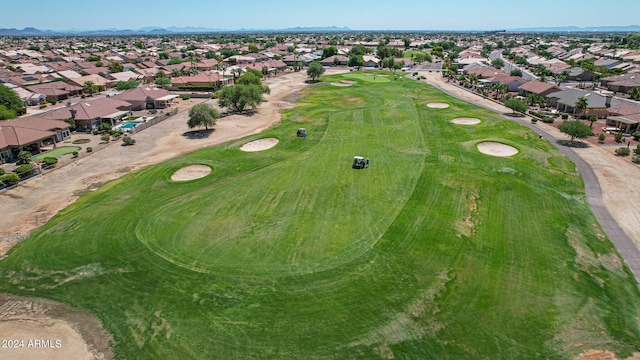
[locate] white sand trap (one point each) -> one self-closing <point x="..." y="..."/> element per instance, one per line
<point x="340" y="84"/>
<point x="438" y="105"/>
<point x="496" y="149"/>
<point x="191" y="172"/>
<point x="259" y="145"/>
<point x="466" y="121"/>
<point x="347" y="81"/>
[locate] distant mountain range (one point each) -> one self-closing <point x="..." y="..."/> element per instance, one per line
<point x="152" y="30"/>
<point x="155" y="30"/>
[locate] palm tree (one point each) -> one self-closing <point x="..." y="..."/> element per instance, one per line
<point x="89" y="87"/>
<point x="581" y="105"/>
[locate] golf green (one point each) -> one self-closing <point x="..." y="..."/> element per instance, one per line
<point x="59" y="151"/>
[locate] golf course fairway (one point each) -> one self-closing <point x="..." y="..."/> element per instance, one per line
<point x="435" y="251"/>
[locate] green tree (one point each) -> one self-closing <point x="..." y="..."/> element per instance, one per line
<point x="517" y="105"/>
<point x="10" y="100"/>
<point x="497" y="63"/>
<point x="163" y="81"/>
<point x="202" y="115"/>
<point x="329" y="51"/>
<point x="163" y="55"/>
<point x="356" y="61"/>
<point x="592" y="118"/>
<point x="6" y="114"/>
<point x="516" y="72"/>
<point x="315" y="70"/>
<point x="253" y="48"/>
<point x="239" y="97"/>
<point x="359" y="49"/>
<point x="127" y="85"/>
<point x="115" y="67"/>
<point x="535" y="99"/>
<point x="9" y="179"/>
<point x="128" y="141"/>
<point x="161" y="74"/>
<point x="575" y="129"/>
<point x="634" y="93"/>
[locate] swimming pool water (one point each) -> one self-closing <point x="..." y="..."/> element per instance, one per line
<point x="130" y="124"/>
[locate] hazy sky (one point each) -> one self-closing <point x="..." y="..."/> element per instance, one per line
<point x="280" y="14"/>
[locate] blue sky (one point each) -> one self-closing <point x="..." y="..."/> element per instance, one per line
<point x="279" y="14"/>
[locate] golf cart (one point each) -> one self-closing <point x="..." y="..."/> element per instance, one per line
<point x="358" y="162"/>
<point x="301" y="132"/>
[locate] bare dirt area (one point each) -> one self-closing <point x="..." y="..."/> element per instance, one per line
<point x="259" y="145"/>
<point x="618" y="177"/>
<point x="191" y="172"/>
<point x="43" y="329"/>
<point x="496" y="149"/>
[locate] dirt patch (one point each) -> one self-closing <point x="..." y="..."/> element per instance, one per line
<point x="259" y="145"/>
<point x="597" y="355"/>
<point x="466" y="121"/>
<point x="340" y="84"/>
<point x="437" y="105"/>
<point x="496" y="149"/>
<point x="191" y="172"/>
<point x="44" y="329"/>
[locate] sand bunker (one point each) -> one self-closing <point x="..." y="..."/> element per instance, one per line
<point x="347" y="81"/>
<point x="496" y="149"/>
<point x="340" y="84"/>
<point x="466" y="121"/>
<point x="259" y="145"/>
<point x="438" y="105"/>
<point x="191" y="172"/>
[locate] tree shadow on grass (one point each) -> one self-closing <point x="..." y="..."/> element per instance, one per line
<point x="198" y="134"/>
<point x="574" y="144"/>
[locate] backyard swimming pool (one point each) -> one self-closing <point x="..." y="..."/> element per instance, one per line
<point x="130" y="124"/>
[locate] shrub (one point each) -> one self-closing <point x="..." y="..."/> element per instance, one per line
<point x="636" y="159"/>
<point x="53" y="101"/>
<point x="50" y="161"/>
<point x="636" y="136"/>
<point x="95" y="132"/>
<point x="565" y="116"/>
<point x="24" y="157"/>
<point x="618" y="137"/>
<point x="43" y="106"/>
<point x="185" y="96"/>
<point x="74" y="154"/>
<point x="128" y="141"/>
<point x="536" y="114"/>
<point x="214" y="95"/>
<point x="105" y="138"/>
<point x="601" y="138"/>
<point x="89" y="149"/>
<point x="547" y="119"/>
<point x="104" y="127"/>
<point x="9" y="179"/>
<point x="24" y="170"/>
<point x="637" y="149"/>
<point x="623" y="151"/>
<point x="1" y="171"/>
<point x="153" y="111"/>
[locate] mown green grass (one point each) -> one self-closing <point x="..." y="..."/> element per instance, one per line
<point x="59" y="151"/>
<point x="435" y="251"/>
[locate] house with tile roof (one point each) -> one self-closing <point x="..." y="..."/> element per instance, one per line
<point x="537" y="87"/>
<point x="89" y="114"/>
<point x="566" y="100"/>
<point x="29" y="134"/>
<point x="147" y="97"/>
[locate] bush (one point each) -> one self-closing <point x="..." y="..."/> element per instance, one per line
<point x="89" y="149"/>
<point x="618" y="137"/>
<point x="547" y="119"/>
<point x="536" y="114"/>
<point x="24" y="170"/>
<point x="50" y="161"/>
<point x="104" y="127"/>
<point x="105" y="138"/>
<point x="623" y="151"/>
<point x="24" y="157"/>
<point x="1" y="171"/>
<point x="185" y="96"/>
<point x="74" y="154"/>
<point x="636" y="159"/>
<point x="43" y="106"/>
<point x="214" y="95"/>
<point x="565" y="116"/>
<point x="601" y="138"/>
<point x="153" y="111"/>
<point x="636" y="136"/>
<point x="128" y="141"/>
<point x="9" y="179"/>
<point x="637" y="149"/>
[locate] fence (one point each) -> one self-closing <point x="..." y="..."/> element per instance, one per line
<point x="159" y="118"/>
